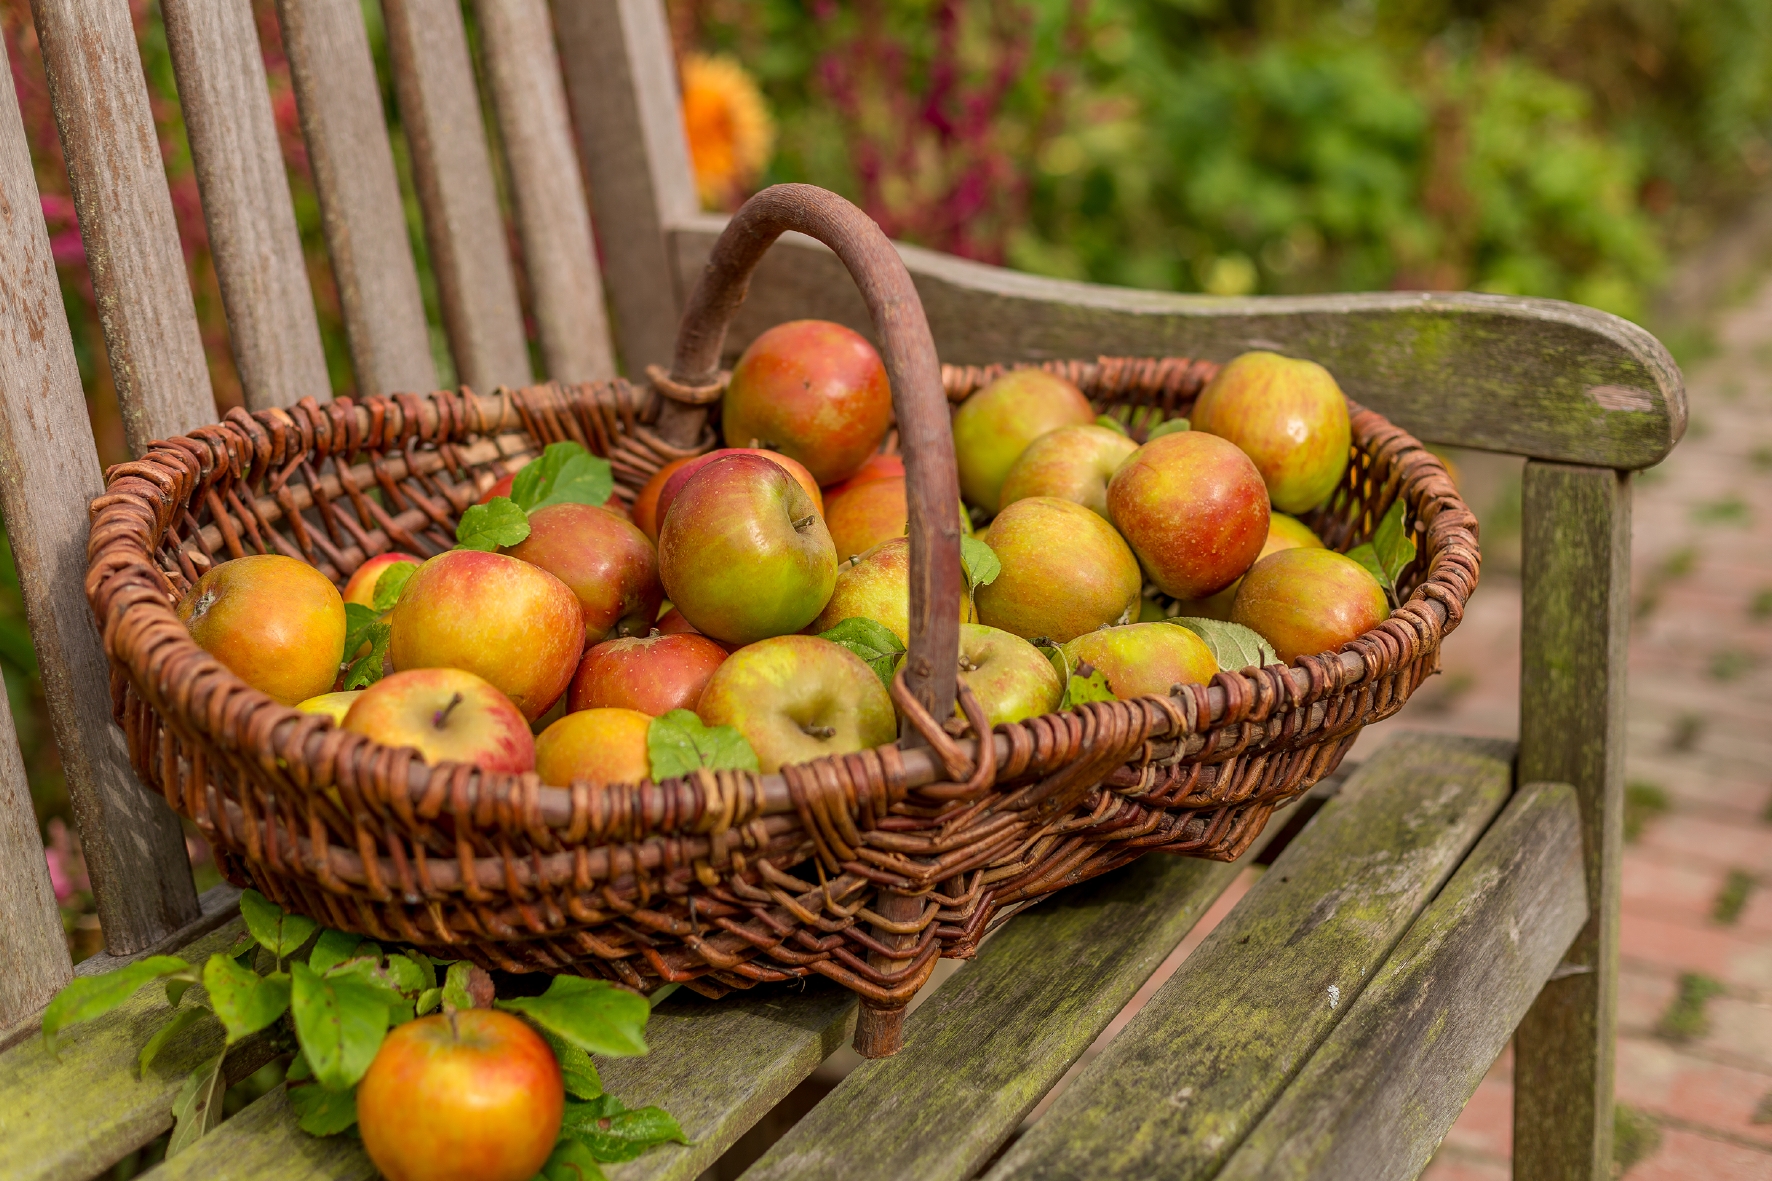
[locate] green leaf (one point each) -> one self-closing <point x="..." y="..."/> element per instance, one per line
<point x="980" y="563"/>
<point x="408" y="976"/>
<point x="613" y="1133"/>
<point x="366" y="670"/>
<point x="320" y="1112"/>
<point x="87" y="997"/>
<point x="875" y="643"/>
<point x="1393" y="545"/>
<point x="570" y="1161"/>
<point x="198" y="1107"/>
<point x="332" y="949"/>
<point x="370" y="971"/>
<point x="1111" y="423"/>
<point x="340" y="1021"/>
<point x="299" y="1070"/>
<point x="177" y="986"/>
<point x="1367" y="556"/>
<point x="358" y="622"/>
<point x="488" y="526"/>
<point x="455" y="986"/>
<point x="576" y="1067"/>
<point x="277" y="932"/>
<point x="391" y="582"/>
<point x="245" y="1001"/>
<point x="427" y="1001"/>
<point x="1232" y="645"/>
<point x="1167" y="428"/>
<point x="677" y="743"/>
<point x="180" y="1021"/>
<point x="1086" y="687"/>
<point x="593" y="1015"/>
<point x="564" y="473"/>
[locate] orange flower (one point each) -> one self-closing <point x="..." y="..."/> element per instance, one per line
<point x="731" y="134"/>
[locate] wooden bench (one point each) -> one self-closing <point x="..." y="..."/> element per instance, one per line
<point x="1453" y="894"/>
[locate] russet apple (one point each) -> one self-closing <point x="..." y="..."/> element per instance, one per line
<point x="503" y="619"/>
<point x="744" y="554"/>
<point x="333" y="705"/>
<point x="1071" y="463"/>
<point x="1194" y="510"/>
<point x="994" y="426"/>
<point x="1144" y="659"/>
<point x="812" y="390"/>
<point x="599" y="746"/>
<point x="449" y="716"/>
<point x="1305" y="601"/>
<point x="799" y="698"/>
<point x="1288" y="416"/>
<point x="608" y="563"/>
<point x="1283" y="532"/>
<point x="877" y="586"/>
<point x="275" y="622"/>
<point x="360" y="587"/>
<point x="654" y="674"/>
<point x="860" y="515"/>
<point x="674" y="482"/>
<point x="646" y="500"/>
<point x="1065" y="571"/>
<point x="1011" y="678"/>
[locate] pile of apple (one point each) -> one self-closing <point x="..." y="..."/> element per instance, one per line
<point x="752" y="609"/>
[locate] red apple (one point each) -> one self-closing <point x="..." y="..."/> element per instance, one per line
<point x="598" y="746"/>
<point x="878" y="467"/>
<point x="1065" y="571"/>
<point x="654" y="675"/>
<point x="333" y="705"/>
<point x="994" y="426"/>
<point x="449" y="716"/>
<point x="1194" y="510"/>
<point x="502" y="487"/>
<point x="646" y="500"/>
<point x="674" y="484"/>
<point x="812" y="390"/>
<point x="277" y="623"/>
<point x="1012" y="679"/>
<point x="877" y="586"/>
<point x="608" y="563"/>
<point x="473" y="1095"/>
<point x="1306" y="601"/>
<point x="1283" y="532"/>
<point x="360" y="588"/>
<point x="799" y="698"/>
<point x="743" y="553"/>
<point x="1071" y="463"/>
<point x="1288" y="416"/>
<point x="860" y="515"/>
<point x="1144" y="659"/>
<point x="512" y="623"/>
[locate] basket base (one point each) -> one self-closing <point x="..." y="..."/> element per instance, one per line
<point x="879" y="1033"/>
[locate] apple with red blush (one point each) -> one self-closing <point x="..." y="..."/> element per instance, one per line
<point x="1193" y="508"/>
<point x="652" y="674"/>
<point x="447" y="715"/>
<point x="605" y="560"/>
<point x="812" y="390"/>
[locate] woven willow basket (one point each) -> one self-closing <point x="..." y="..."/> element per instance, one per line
<point x="863" y="868"/>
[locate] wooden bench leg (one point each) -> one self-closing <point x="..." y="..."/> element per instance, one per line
<point x="1576" y="618"/>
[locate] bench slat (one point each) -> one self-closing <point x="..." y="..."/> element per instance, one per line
<point x="440" y="112"/>
<point x="263" y="1143"/>
<point x="553" y="218"/>
<point x="1376" y="1099"/>
<point x="252" y="233"/>
<point x="347" y="137"/>
<point x="1191" y="1074"/>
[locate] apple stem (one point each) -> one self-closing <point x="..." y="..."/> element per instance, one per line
<point x="441" y="719"/>
<point x="803" y="522"/>
<point x="820" y="731"/>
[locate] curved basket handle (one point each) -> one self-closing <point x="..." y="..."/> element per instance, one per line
<point x="932" y="483"/>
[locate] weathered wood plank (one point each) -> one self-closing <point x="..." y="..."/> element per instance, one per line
<point x="553" y="218"/>
<point x="1191" y="1074"/>
<point x="252" y="234"/>
<point x="100" y="97"/>
<point x="217" y="906"/>
<point x="262" y="1143"/>
<point x="347" y="138"/>
<point x="440" y="113"/>
<point x="34" y="959"/>
<point x="1374" y="1102"/>
<point x="1532" y="377"/>
<point x="48" y="474"/>
<point x="622" y="80"/>
<point x="69" y="1116"/>
<point x="1576" y="622"/>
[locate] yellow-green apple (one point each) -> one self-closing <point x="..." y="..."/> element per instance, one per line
<point x="598" y="746"/>
<point x="449" y="716"/>
<point x="1283" y="532"/>
<point x="798" y="698"/>
<point x="653" y="674"/>
<point x="275" y="622"/>
<point x="674" y="482"/>
<point x="860" y="515"/>
<point x="1289" y="416"/>
<point x="1071" y="463"/>
<point x="1065" y="571"/>
<point x="470" y="1095"/>
<point x="1011" y="678"/>
<point x="608" y="563"/>
<point x="994" y="426"/>
<point x="1194" y="510"/>
<point x="1144" y="659"/>
<point x="744" y="554"/>
<point x="877" y="586"/>
<point x="499" y="618"/>
<point x="1305" y="601"/>
<point x="360" y="587"/>
<point x="646" y="500"/>
<point x="502" y="487"/>
<point x="333" y="705"/>
<point x="812" y="390"/>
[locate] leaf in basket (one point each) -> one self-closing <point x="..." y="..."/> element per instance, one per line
<point x="1060" y="665"/>
<point x="1232" y="645"/>
<point x="875" y="643"/>
<point x="339" y="1021"/>
<point x="245" y="1001"/>
<point x="1087" y="684"/>
<point x="198" y="1108"/>
<point x="393" y="580"/>
<point x="87" y="997"/>
<point x="366" y="670"/>
<point x="613" y="1133"/>
<point x="593" y="1015"/>
<point x="277" y="932"/>
<point x="320" y="1112"/>
<point x="1393" y="545"/>
<point x="1167" y="428"/>
<point x="487" y="526"/>
<point x="1111" y="423"/>
<point x="358" y="622"/>
<point x="565" y="473"/>
<point x="677" y="743"/>
<point x="980" y="563"/>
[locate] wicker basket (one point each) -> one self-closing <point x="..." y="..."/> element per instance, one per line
<point x="861" y="868"/>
